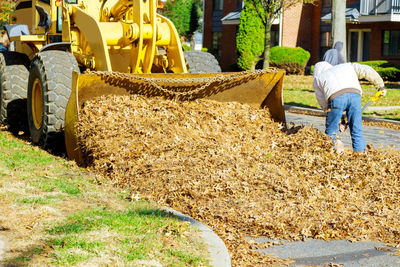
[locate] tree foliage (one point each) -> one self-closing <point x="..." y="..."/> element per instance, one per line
<point x="6" y="8"/>
<point x="195" y="15"/>
<point x="184" y="14"/>
<point x="178" y="11"/>
<point x="250" y="38"/>
<point x="267" y="11"/>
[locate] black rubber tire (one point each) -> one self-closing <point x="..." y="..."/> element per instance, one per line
<point x="201" y="62"/>
<point x="54" y="71"/>
<point x="14" y="75"/>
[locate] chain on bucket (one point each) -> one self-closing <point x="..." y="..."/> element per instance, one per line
<point x="182" y="87"/>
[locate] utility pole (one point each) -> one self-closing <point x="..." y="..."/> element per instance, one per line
<point x="339" y="24"/>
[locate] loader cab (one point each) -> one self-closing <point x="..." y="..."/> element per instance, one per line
<point x="26" y="13"/>
<point x="43" y="19"/>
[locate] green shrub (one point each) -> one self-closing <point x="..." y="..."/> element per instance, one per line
<point x="179" y="13"/>
<point x="388" y="71"/>
<point x="291" y="59"/>
<point x="185" y="15"/>
<point x="186" y="47"/>
<point x="204" y="49"/>
<point x="249" y="38"/>
<point x="389" y="74"/>
<point x="375" y="63"/>
<point x="6" y="8"/>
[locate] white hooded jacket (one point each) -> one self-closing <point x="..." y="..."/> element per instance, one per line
<point x="329" y="79"/>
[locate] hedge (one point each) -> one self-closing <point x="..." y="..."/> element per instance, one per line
<point x="291" y="59"/>
<point x="388" y="71"/>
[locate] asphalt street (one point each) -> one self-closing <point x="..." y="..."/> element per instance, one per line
<point x="313" y="252"/>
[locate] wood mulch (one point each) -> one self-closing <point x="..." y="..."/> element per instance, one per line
<point x="231" y="167"/>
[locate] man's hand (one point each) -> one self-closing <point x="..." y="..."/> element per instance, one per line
<point x="383" y="91"/>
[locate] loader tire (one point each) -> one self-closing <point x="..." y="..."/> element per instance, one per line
<point x="49" y="88"/>
<point x="13" y="90"/>
<point x="201" y="62"/>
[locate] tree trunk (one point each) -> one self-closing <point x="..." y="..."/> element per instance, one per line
<point x="339" y="24"/>
<point x="267" y="44"/>
<point x="253" y="65"/>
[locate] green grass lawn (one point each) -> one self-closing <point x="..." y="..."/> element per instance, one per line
<point x="298" y="91"/>
<point x="55" y="213"/>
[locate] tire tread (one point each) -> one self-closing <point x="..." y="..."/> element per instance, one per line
<point x="13" y="78"/>
<point x="56" y="68"/>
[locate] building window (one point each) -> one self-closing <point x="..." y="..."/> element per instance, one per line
<point x="325" y="43"/>
<point x="325" y="39"/>
<point x="218" y="5"/>
<point x="216" y="44"/>
<point x="391" y="43"/>
<point x="274" y="37"/>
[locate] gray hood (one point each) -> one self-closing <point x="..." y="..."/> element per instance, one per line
<point x="338" y="46"/>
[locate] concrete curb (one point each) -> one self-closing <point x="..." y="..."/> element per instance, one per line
<point x="320" y="113"/>
<point x="219" y="255"/>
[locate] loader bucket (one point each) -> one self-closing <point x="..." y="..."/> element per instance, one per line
<point x="260" y="89"/>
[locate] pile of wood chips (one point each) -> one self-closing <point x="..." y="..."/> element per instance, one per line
<point x="231" y="167"/>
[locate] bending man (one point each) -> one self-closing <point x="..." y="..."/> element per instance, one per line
<point x="337" y="90"/>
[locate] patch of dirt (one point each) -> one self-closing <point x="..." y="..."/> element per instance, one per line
<point x="22" y="227"/>
<point x="231" y="167"/>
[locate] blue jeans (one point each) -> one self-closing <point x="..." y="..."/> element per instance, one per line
<point x="351" y="103"/>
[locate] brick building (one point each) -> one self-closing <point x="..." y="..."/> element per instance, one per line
<point x="373" y="29"/>
<point x="375" y="34"/>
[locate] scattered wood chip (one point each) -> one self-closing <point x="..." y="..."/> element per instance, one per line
<point x="383" y="248"/>
<point x="231" y="167"/>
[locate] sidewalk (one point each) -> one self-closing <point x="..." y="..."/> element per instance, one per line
<point x="382" y="108"/>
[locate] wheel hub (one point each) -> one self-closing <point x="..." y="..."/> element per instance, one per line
<point x="37" y="103"/>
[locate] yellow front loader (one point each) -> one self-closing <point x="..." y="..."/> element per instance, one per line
<point x="70" y="51"/>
